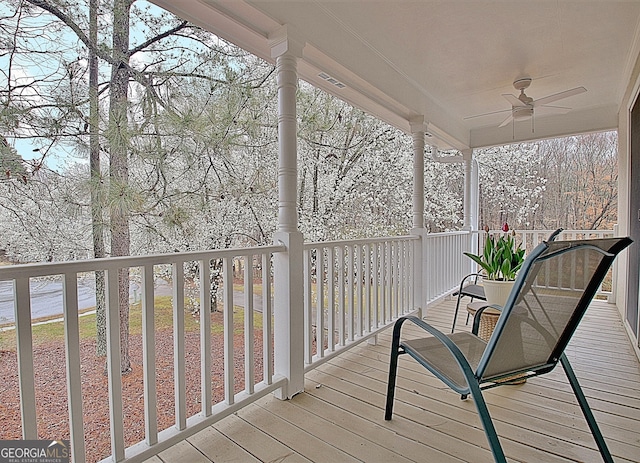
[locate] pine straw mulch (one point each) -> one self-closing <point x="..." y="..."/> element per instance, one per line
<point x="51" y="391"/>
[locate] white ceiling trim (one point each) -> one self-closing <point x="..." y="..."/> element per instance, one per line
<point x="629" y="67"/>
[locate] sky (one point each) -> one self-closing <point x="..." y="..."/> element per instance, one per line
<point x="31" y="149"/>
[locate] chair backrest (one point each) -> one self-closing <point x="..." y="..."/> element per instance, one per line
<point x="555" y="286"/>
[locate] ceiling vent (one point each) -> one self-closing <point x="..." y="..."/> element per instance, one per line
<point x="331" y="80"/>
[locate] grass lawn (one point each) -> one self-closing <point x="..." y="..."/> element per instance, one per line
<point x="54" y="331"/>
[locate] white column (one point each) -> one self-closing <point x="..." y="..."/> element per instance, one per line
<point x="288" y="266"/>
<point x="475" y="196"/>
<point x="466" y="200"/>
<point x="417" y="133"/>
<point x="418" y="130"/>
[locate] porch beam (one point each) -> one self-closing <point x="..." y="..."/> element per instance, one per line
<point x="288" y="265"/>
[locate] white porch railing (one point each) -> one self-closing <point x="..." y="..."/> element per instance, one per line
<point x="445" y="263"/>
<point x="255" y="259"/>
<point x="532" y="238"/>
<point x="367" y="283"/>
<point x="352" y="290"/>
<point x="554" y="278"/>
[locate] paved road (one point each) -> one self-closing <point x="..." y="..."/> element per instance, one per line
<point x="46" y="298"/>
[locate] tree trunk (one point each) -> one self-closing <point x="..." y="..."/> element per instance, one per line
<point x="118" y="139"/>
<point x="96" y="183"/>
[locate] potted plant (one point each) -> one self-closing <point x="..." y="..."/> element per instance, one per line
<point x="500" y="261"/>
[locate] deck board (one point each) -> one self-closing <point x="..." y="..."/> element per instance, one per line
<point x="438" y="400"/>
<point x="340" y="415"/>
<point x="217" y="447"/>
<point x="256" y="442"/>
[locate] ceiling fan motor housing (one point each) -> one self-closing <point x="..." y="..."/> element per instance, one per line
<point x="522" y="84"/>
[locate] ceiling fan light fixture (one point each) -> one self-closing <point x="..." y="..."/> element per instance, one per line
<point x="522" y="114"/>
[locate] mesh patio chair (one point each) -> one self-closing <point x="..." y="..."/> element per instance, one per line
<point x="468" y="288"/>
<point x="551" y="294"/>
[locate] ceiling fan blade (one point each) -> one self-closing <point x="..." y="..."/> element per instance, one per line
<point x="558" y="96"/>
<point x="546" y="109"/>
<point x="487" y="114"/>
<point x="513" y="100"/>
<point x="506" y="121"/>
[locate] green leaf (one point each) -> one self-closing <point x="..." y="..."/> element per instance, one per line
<point x="500" y="258"/>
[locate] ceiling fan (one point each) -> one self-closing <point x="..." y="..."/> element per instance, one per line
<point x="522" y="106"/>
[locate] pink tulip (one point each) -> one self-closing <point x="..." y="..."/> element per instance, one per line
<point x="505" y="227"/>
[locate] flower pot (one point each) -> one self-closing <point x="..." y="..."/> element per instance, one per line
<point x="497" y="291"/>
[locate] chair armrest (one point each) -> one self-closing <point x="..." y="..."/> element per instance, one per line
<point x="478" y="316"/>
<point x="455" y="351"/>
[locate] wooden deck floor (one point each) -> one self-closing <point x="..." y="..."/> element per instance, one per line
<point x="339" y="418"/>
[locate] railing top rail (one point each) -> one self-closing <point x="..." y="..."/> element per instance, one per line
<point x="568" y="231"/>
<point x="90" y="265"/>
<point x="317" y="244"/>
<point x="10" y="272"/>
<point x="450" y="233"/>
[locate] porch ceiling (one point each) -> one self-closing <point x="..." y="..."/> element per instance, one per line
<point x="447" y="60"/>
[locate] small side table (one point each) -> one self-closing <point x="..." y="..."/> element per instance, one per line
<point x="487" y="322"/>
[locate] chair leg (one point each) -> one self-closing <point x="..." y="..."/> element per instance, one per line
<point x="586" y="410"/>
<point x="455" y="314"/>
<point x="393" y="368"/>
<point x="474" y="390"/>
<point x="487" y="424"/>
